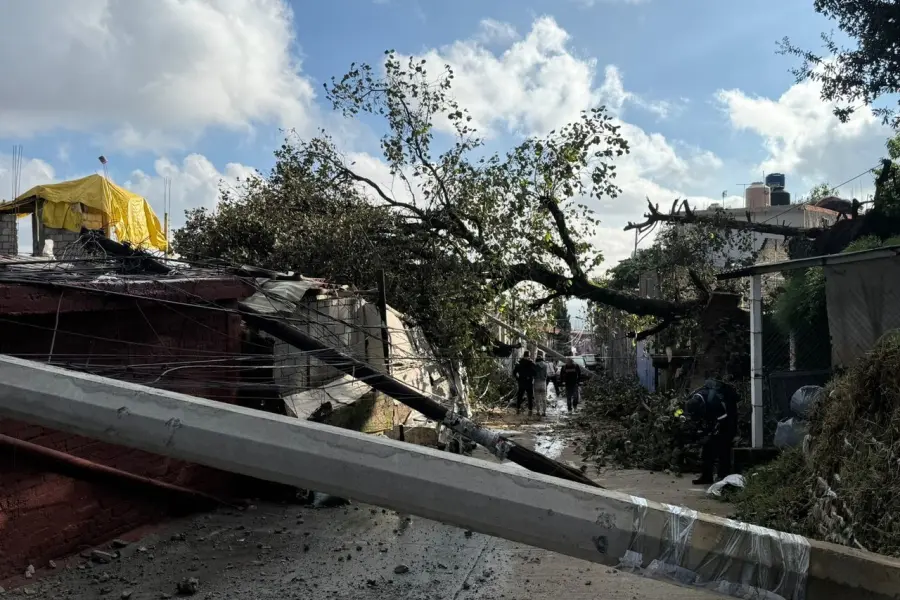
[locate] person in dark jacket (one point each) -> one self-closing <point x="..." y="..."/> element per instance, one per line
<point x="524" y="372"/>
<point x="714" y="407"/>
<point x="570" y="376"/>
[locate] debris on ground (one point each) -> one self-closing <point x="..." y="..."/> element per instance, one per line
<point x="101" y="557"/>
<point x="836" y="487"/>
<point x="188" y="586"/>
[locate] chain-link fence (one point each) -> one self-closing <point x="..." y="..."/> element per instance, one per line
<point x="819" y="320"/>
<point x="796" y="344"/>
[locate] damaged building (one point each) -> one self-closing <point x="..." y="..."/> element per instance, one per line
<point x="98" y="306"/>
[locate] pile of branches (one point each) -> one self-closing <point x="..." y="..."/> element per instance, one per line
<point x="630" y="427"/>
<point x="846" y="478"/>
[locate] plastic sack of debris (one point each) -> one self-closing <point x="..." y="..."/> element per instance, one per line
<point x="723" y="486"/>
<point x="790" y="433"/>
<point x="804" y="399"/>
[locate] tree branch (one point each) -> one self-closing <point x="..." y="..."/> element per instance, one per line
<point x="587" y="290"/>
<point x="661" y="326"/>
<point x="570" y="256"/>
<point x="540" y="302"/>
<point x="689" y="216"/>
<point x="377" y="189"/>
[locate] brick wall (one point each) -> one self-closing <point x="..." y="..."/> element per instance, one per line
<point x="9" y="239"/>
<point x="43" y="515"/>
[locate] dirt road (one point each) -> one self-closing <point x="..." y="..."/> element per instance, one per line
<point x="287" y="551"/>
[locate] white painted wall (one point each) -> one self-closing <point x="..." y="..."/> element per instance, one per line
<point x="795" y="215"/>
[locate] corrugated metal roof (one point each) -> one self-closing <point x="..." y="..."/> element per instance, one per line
<point x="813" y="261"/>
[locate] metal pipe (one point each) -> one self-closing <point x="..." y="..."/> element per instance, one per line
<point x="756" y="366"/>
<point x="80" y="468"/>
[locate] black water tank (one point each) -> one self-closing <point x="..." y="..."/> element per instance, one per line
<point x="775" y="181"/>
<point x="780" y="198"/>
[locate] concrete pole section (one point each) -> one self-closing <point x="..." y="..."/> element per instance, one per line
<point x="673" y="543"/>
<point x="756" y="359"/>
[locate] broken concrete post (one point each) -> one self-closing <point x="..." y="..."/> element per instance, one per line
<point x="659" y="540"/>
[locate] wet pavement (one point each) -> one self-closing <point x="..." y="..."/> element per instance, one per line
<point x="278" y="551"/>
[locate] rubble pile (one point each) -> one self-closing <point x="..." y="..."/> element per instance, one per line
<point x="846" y="475"/>
<point x="630" y="427"/>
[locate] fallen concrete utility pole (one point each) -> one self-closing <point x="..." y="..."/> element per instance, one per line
<point x="546" y="349"/>
<point x="413" y="398"/>
<point x="668" y="542"/>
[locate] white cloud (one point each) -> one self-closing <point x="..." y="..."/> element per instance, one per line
<point x="803" y="138"/>
<point x="535" y="85"/>
<point x="149" y="73"/>
<point x="493" y="31"/>
<point x="195" y="182"/>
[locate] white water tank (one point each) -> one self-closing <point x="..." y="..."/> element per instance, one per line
<point x="758" y="196"/>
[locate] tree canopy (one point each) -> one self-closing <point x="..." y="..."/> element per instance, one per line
<point x="855" y="76"/>
<point x="457" y="231"/>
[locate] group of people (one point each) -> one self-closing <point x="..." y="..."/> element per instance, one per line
<point x="713" y="407"/>
<point x="534" y="376"/>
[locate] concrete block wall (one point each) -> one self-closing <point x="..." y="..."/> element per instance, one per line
<point x="9" y="238"/>
<point x="61" y="240"/>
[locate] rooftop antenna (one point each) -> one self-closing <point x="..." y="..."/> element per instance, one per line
<point x="16" y="170"/>
<point x="16" y="176"/>
<point x="167" y="204"/>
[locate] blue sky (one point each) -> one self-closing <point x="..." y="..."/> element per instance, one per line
<point x="197" y="90"/>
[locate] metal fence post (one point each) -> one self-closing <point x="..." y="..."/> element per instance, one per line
<point x="756" y="367"/>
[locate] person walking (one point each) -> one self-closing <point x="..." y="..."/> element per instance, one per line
<point x="553" y="376"/>
<point x="524" y="374"/>
<point x="714" y="407"/>
<point x="570" y="376"/>
<point x="541" y="375"/>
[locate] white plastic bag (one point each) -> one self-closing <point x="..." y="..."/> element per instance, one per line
<point x="733" y="480"/>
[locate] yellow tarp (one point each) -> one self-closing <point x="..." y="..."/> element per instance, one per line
<point x="128" y="214"/>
